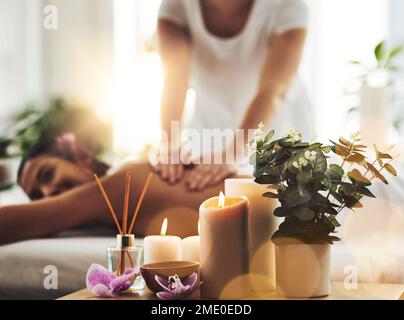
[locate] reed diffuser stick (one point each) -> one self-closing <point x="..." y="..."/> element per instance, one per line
<point x="111" y="209"/>
<point x="146" y="186"/>
<point x="126" y="202"/>
<point x="125" y="221"/>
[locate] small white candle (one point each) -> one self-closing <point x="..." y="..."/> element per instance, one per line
<point x="190" y="248"/>
<point x="162" y="248"/>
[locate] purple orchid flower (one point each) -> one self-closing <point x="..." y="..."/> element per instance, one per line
<point x="174" y="289"/>
<point x="104" y="283"/>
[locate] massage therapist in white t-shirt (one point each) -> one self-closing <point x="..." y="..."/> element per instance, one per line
<point x="241" y="58"/>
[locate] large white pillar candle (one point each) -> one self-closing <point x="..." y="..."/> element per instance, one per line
<point x="162" y="248"/>
<point x="224" y="247"/>
<point x="262" y="224"/>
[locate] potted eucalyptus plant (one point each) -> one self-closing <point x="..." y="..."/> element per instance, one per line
<point x="311" y="193"/>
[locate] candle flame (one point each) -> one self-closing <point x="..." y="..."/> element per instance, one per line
<point x="221" y="200"/>
<point x="164" y="227"/>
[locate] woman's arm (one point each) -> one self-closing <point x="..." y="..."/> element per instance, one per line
<point x="50" y="215"/>
<point x="174" y="43"/>
<point x="85" y="204"/>
<point x="282" y="63"/>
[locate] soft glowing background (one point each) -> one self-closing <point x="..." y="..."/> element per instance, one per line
<point x="104" y="54"/>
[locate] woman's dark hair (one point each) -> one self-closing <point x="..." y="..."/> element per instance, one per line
<point x="59" y="149"/>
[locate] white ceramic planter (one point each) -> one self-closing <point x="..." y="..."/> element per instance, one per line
<point x="303" y="271"/>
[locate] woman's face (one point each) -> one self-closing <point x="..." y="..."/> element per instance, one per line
<point x="47" y="176"/>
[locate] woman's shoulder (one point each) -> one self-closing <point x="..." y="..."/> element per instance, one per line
<point x="284" y="15"/>
<point x="175" y="11"/>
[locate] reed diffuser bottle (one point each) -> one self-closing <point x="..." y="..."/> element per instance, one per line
<point x="126" y="255"/>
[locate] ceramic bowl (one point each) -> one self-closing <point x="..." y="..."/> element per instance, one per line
<point x="166" y="269"/>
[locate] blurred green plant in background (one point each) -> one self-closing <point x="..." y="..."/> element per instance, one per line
<point x="43" y="123"/>
<point x="379" y="73"/>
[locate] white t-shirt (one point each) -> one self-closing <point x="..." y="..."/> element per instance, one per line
<point x="225" y="72"/>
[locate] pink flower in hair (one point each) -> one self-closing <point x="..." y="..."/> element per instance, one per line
<point x="66" y="143"/>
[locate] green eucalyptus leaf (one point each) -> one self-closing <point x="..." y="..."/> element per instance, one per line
<point x="282" y="157"/>
<point x="304" y="177"/>
<point x="348" y="189"/>
<point x="334" y="221"/>
<point x="267" y="179"/>
<point x="295" y="197"/>
<point x="315" y="146"/>
<point x="319" y="176"/>
<point x="281" y="212"/>
<point x="271" y="195"/>
<point x="282" y="237"/>
<point x="260" y="171"/>
<point x="285" y="143"/>
<point x="333" y="176"/>
<point x="319" y="199"/>
<point x="303" y="213"/>
<point x="350" y="201"/>
<point x="366" y="192"/>
<point x="338" y="169"/>
<point x="326" y="149"/>
<point x="337" y="196"/>
<point x="320" y="164"/>
<point x="301" y="145"/>
<point x="269" y="136"/>
<point x="330" y="210"/>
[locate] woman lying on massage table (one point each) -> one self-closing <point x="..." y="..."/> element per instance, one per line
<point x="59" y="179"/>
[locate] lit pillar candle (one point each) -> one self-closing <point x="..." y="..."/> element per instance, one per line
<point x="162" y="248"/>
<point x="190" y="248"/>
<point x="262" y="224"/>
<point x="224" y="247"/>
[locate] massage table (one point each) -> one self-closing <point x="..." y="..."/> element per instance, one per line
<point x="373" y="249"/>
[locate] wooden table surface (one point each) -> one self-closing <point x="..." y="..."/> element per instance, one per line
<point x="365" y="291"/>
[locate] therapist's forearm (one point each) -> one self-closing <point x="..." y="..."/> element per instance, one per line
<point x="174" y="46"/>
<point x="262" y="109"/>
<point x="172" y="106"/>
<point x="281" y="66"/>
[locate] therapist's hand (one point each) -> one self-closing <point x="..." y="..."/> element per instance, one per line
<point x="204" y="176"/>
<point x="168" y="167"/>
